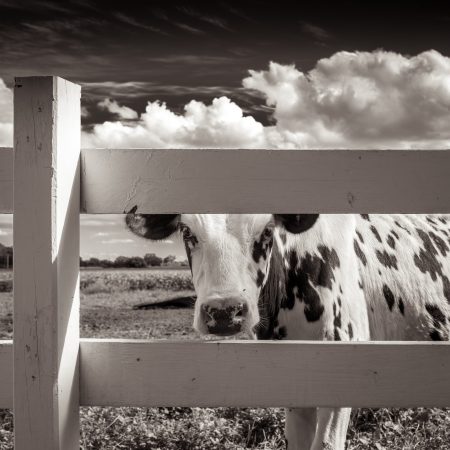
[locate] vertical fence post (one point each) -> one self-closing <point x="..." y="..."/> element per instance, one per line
<point x="46" y="263"/>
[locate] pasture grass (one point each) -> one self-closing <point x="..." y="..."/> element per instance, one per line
<point x="111" y="315"/>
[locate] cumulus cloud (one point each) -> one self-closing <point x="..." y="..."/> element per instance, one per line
<point x="123" y="112"/>
<point x="378" y="99"/>
<point x="351" y="100"/>
<point x="374" y="99"/>
<point x="220" y="124"/>
<point x="6" y="115"/>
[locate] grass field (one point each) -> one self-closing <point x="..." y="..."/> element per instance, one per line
<point x="107" y="312"/>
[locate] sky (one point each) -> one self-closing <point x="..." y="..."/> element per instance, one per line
<point x="341" y="74"/>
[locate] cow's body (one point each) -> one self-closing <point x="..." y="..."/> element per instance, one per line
<point x="365" y="277"/>
<point x="326" y="277"/>
<point x="356" y="277"/>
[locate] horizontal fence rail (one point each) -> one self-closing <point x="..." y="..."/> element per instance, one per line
<point x="257" y="181"/>
<point x="255" y="374"/>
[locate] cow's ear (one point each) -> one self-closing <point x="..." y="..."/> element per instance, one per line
<point x="152" y="226"/>
<point x="296" y="223"/>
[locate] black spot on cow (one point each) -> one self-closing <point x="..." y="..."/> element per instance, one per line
<point x="360" y="237"/>
<point x="280" y="333"/>
<point x="426" y="261"/>
<point x="337" y="337"/>
<point x="260" y="278"/>
<point x="359" y="253"/>
<point x="386" y="259"/>
<point x="440" y="243"/>
<point x="446" y="287"/>
<point x="402" y="227"/>
<point x="350" y="331"/>
<point x="391" y="242"/>
<point x="435" y="335"/>
<point x="330" y="257"/>
<point x="375" y="233"/>
<point x="435" y="312"/>
<point x="301" y="280"/>
<point x="339" y="301"/>
<point x="365" y="217"/>
<point x="261" y="248"/>
<point x="389" y="296"/>
<point x="337" y="320"/>
<point x="401" y="306"/>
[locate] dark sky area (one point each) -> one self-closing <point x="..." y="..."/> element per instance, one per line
<point x="176" y="51"/>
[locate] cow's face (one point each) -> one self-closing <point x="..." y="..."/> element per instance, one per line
<point x="229" y="255"/>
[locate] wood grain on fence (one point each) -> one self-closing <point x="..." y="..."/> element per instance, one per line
<point x="256" y="373"/>
<point x="266" y="181"/>
<point x="46" y="263"/>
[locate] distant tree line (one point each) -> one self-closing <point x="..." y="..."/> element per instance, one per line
<point x="6" y="257"/>
<point x="134" y="262"/>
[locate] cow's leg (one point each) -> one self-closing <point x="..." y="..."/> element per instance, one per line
<point x="332" y="424"/>
<point x="300" y="428"/>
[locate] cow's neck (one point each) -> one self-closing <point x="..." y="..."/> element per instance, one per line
<point x="272" y="295"/>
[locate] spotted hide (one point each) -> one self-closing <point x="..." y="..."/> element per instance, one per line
<point x="322" y="277"/>
<point x="355" y="277"/>
<point x="361" y="277"/>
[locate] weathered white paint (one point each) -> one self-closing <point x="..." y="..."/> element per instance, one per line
<point x="46" y="263"/>
<point x="261" y="374"/>
<point x="255" y="373"/>
<point x="265" y="181"/>
<point x="6" y="374"/>
<point x="6" y="180"/>
<point x="250" y="181"/>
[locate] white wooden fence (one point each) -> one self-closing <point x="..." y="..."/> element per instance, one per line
<point x="48" y="372"/>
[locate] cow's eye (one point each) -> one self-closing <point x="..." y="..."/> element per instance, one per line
<point x="267" y="233"/>
<point x="187" y="233"/>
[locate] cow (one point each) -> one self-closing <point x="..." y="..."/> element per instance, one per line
<point x="354" y="277"/>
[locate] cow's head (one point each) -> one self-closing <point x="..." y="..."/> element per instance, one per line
<point x="229" y="255"/>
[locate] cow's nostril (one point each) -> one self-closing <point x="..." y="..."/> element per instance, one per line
<point x="241" y="310"/>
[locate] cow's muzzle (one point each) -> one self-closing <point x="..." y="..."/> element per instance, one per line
<point x="224" y="317"/>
